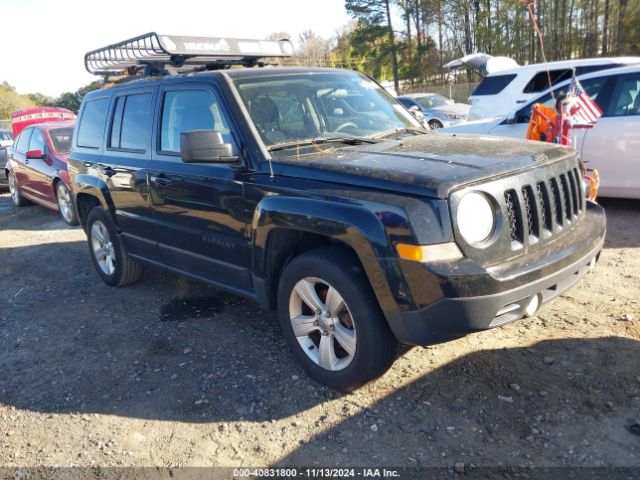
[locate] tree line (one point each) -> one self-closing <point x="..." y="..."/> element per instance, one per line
<point x="413" y="39"/>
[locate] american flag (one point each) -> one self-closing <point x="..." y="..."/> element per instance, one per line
<point x="584" y="110"/>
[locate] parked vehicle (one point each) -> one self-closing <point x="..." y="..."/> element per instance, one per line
<point x="6" y="140"/>
<point x="505" y="88"/>
<point x="25" y="117"/>
<point x="362" y="230"/>
<point x="611" y="147"/>
<point x="438" y="111"/>
<point x="37" y="168"/>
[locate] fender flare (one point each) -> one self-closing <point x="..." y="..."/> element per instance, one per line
<point x="90" y="185"/>
<point x="343" y="222"/>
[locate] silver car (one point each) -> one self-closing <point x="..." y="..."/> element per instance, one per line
<point x="438" y="111"/>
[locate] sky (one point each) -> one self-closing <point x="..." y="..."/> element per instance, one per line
<point x="45" y="52"/>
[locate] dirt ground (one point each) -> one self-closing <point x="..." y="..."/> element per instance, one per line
<point x="169" y="372"/>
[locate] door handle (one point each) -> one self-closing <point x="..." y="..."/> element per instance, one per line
<point x="108" y="171"/>
<point x="161" y="180"/>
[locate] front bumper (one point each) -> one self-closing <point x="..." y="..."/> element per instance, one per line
<point x="490" y="297"/>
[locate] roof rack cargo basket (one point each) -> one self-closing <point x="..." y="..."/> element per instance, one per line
<point x="152" y="53"/>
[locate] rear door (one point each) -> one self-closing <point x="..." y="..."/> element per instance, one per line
<point x="123" y="167"/>
<point x="613" y="146"/>
<point x="198" y="208"/>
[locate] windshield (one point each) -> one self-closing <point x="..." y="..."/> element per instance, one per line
<point x="5" y="136"/>
<point x="433" y="101"/>
<point x="61" y="139"/>
<point x="302" y="108"/>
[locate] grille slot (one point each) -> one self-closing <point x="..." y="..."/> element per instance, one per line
<point x="544" y="207"/>
<point x="531" y="210"/>
<point x="566" y="197"/>
<point x="514" y="216"/>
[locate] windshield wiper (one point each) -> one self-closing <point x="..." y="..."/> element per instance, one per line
<point x="320" y="141"/>
<point x="415" y="131"/>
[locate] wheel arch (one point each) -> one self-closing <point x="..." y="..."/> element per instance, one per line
<point x="283" y="228"/>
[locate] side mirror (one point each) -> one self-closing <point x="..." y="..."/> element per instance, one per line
<point x="35" y="155"/>
<point x="415" y="110"/>
<point x="205" y="146"/>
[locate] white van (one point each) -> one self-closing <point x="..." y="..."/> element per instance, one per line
<point x="507" y="85"/>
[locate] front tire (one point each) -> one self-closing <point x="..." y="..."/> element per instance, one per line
<point x="108" y="252"/>
<point x="331" y="319"/>
<point x="435" y="124"/>
<point x="65" y="204"/>
<point x="16" y="197"/>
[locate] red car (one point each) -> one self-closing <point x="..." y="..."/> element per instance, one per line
<point x="37" y="168"/>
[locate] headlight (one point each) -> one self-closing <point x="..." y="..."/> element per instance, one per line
<point x="475" y="217"/>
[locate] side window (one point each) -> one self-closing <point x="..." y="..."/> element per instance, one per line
<point x="22" y="144"/>
<point x="626" y="96"/>
<point x="540" y="81"/>
<point x="592" y="87"/>
<point x="92" y="123"/>
<point x="187" y="110"/>
<point x="493" y="84"/>
<point x="37" y="141"/>
<point x="131" y="124"/>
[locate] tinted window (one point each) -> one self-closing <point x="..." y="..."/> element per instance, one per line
<point x="136" y="122"/>
<point x="22" y="144"/>
<point x="626" y="97"/>
<point x="61" y="139"/>
<point x="540" y="81"/>
<point x="37" y="141"/>
<point x="592" y="87"/>
<point x="596" y="68"/>
<point x="92" y="123"/>
<point x="493" y="84"/>
<point x="187" y="110"/>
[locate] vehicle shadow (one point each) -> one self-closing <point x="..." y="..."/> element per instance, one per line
<point x="22" y="218"/>
<point x="623" y="221"/>
<point x="557" y="403"/>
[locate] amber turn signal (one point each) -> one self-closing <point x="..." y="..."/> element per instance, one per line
<point x="429" y="253"/>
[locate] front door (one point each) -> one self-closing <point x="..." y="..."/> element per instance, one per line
<point x="198" y="209"/>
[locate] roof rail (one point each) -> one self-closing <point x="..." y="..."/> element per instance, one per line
<point x="153" y="54"/>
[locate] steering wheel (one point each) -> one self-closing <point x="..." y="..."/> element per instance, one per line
<point x="345" y="125"/>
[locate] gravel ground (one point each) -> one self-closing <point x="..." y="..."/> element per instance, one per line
<point x="169" y="372"/>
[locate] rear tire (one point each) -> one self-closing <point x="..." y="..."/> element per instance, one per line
<point x="349" y="342"/>
<point x="14" y="190"/>
<point x="435" y="124"/>
<point x="108" y="252"/>
<point x="65" y="204"/>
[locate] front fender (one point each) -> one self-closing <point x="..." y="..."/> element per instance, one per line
<point x="351" y="224"/>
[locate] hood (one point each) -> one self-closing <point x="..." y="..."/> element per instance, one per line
<point x="455" y="109"/>
<point x="430" y="164"/>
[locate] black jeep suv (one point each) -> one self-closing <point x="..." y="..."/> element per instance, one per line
<point x="315" y="192"/>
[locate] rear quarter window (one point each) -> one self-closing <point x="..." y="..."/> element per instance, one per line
<point x="540" y="81"/>
<point x="493" y="85"/>
<point x="91" y="125"/>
